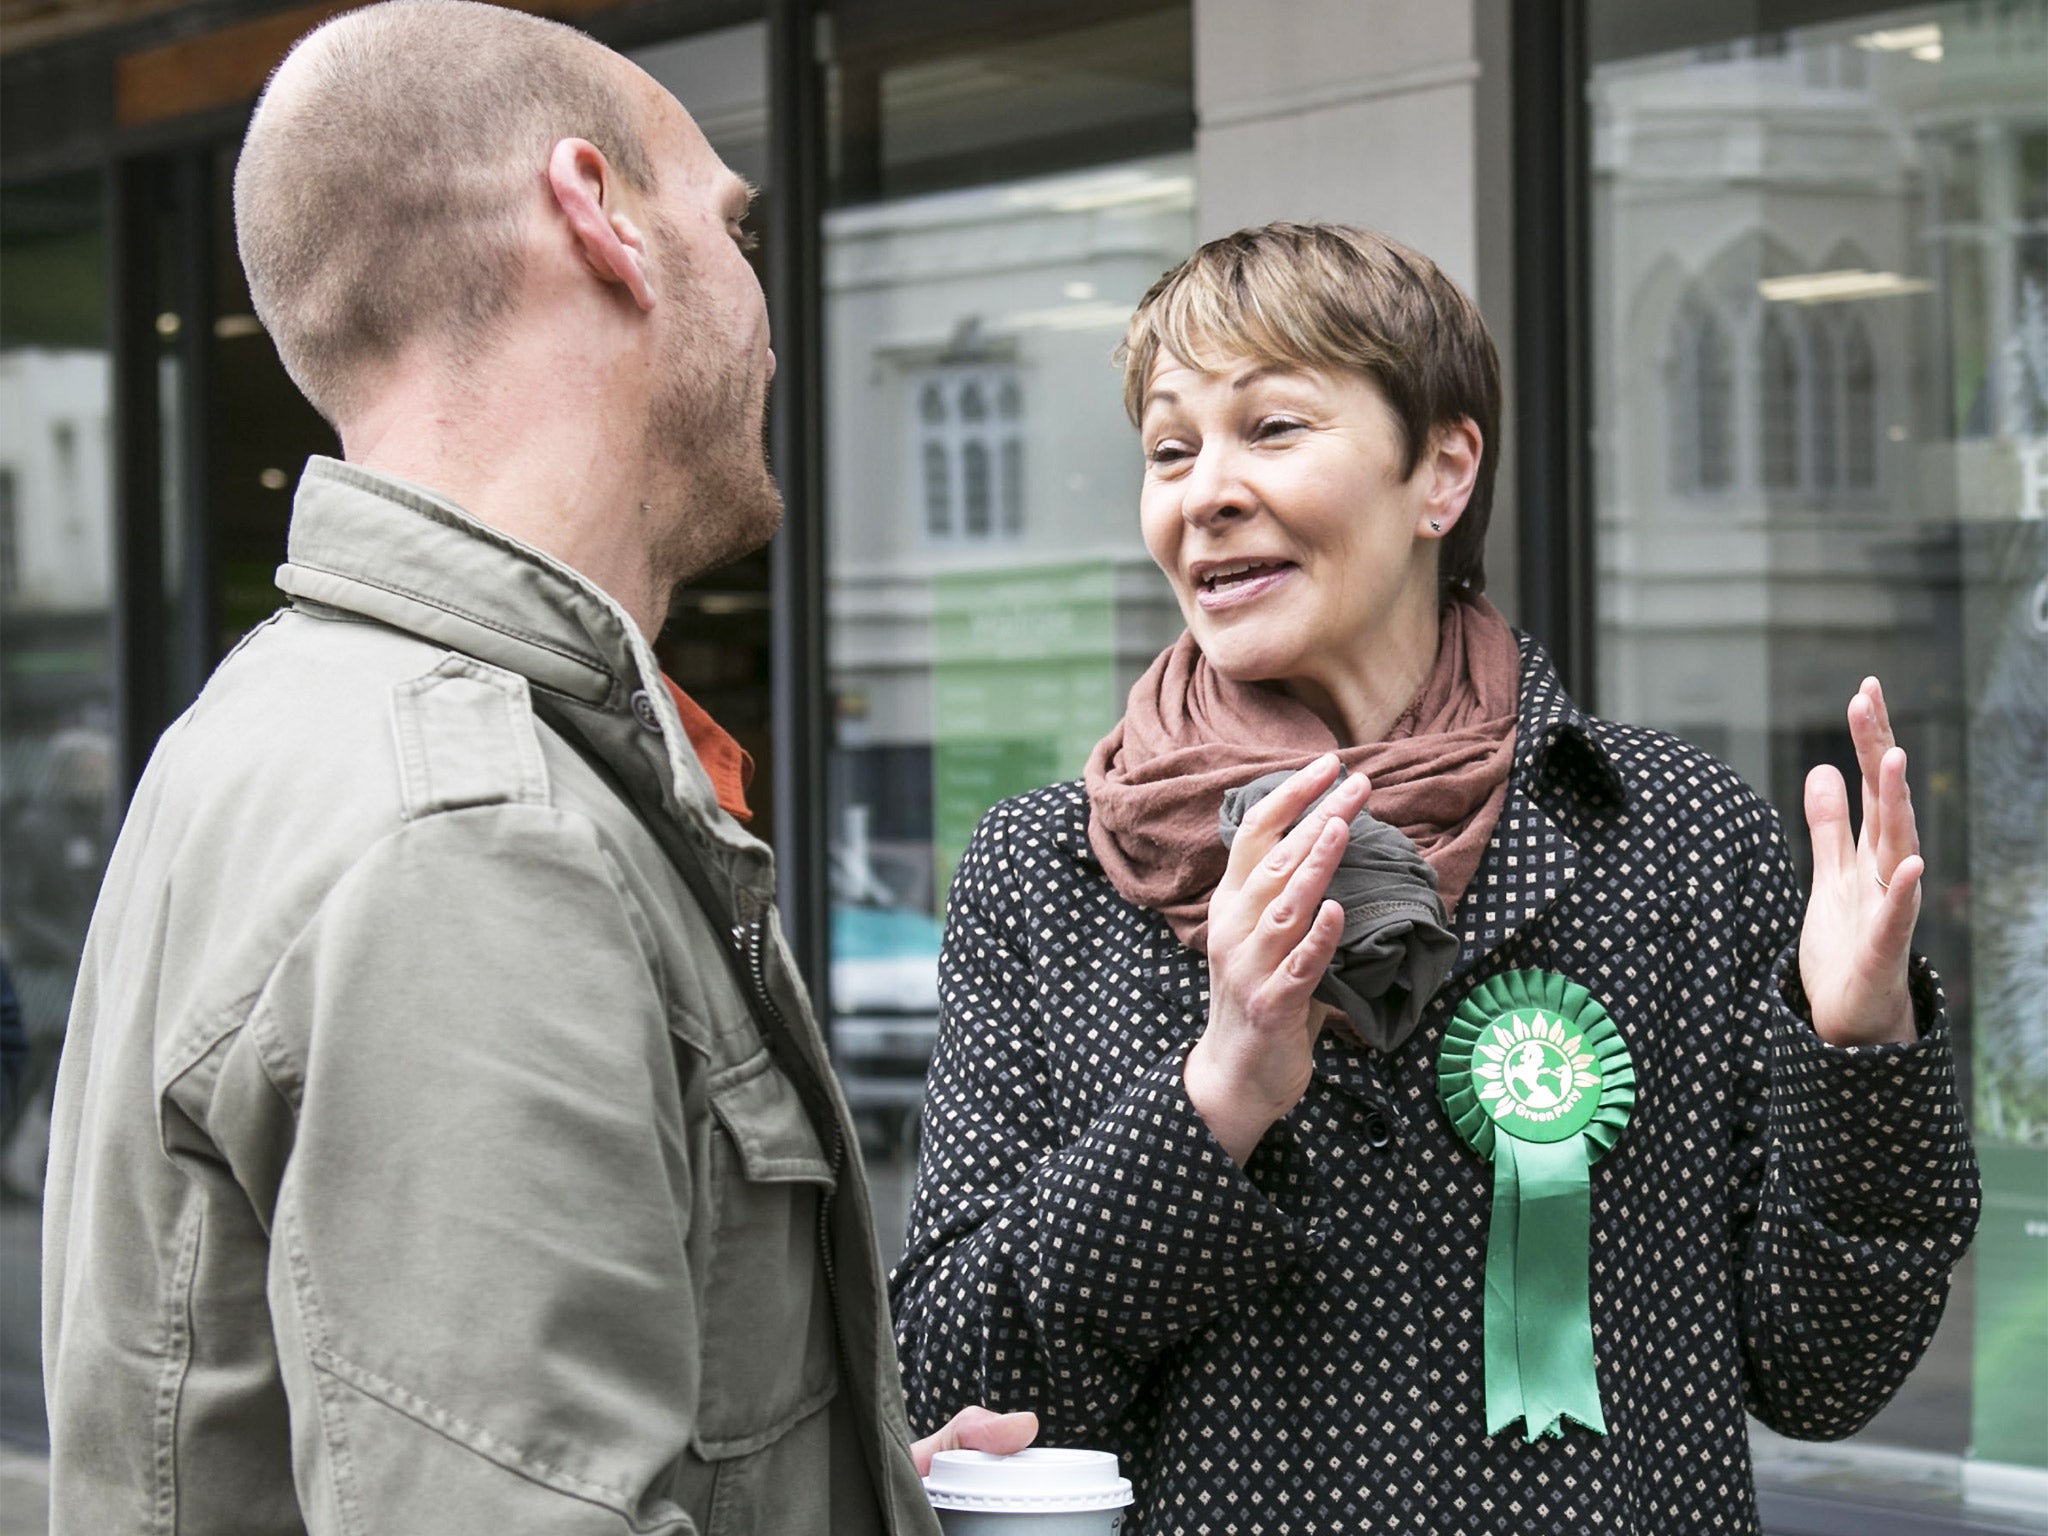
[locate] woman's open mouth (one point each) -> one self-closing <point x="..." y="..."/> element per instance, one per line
<point x="1226" y="586"/>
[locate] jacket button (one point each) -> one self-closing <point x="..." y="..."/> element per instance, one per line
<point x="1377" y="1132"/>
<point x="643" y="710"/>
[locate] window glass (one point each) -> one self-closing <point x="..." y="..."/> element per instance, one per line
<point x="1825" y="299"/>
<point x="57" y="761"/>
<point x="989" y="599"/>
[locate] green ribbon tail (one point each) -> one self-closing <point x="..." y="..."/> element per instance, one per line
<point x="1503" y="1359"/>
<point x="1539" y="1323"/>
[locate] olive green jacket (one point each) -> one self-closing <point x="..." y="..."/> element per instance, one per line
<point x="443" y="1143"/>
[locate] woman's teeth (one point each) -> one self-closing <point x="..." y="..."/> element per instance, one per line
<point x="1225" y="575"/>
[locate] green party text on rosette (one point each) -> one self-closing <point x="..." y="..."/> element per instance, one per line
<point x="1537" y="1079"/>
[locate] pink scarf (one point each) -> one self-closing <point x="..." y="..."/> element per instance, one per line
<point x="1156" y="781"/>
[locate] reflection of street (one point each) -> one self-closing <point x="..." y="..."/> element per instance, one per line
<point x="24" y="1473"/>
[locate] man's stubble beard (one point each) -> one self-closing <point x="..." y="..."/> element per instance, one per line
<point x="706" y="428"/>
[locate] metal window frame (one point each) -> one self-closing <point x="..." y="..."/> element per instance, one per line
<point x="134" y="250"/>
<point x="158" y="211"/>
<point x="1554" y="550"/>
<point x="796" y="568"/>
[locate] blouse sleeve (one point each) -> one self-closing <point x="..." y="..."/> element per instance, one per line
<point x="1049" y="1266"/>
<point x="1856" y="1185"/>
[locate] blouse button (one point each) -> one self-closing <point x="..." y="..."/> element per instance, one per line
<point x="1377" y="1132"/>
<point x="644" y="711"/>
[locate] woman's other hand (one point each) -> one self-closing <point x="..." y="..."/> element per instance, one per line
<point x="1866" y="892"/>
<point x="1271" y="937"/>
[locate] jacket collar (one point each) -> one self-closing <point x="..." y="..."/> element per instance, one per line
<point x="1563" y="783"/>
<point x="1558" y="746"/>
<point x="405" y="556"/>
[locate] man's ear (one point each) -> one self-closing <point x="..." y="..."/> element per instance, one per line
<point x="586" y="189"/>
<point x="1449" y="470"/>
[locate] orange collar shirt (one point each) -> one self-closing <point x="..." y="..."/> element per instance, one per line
<point x="727" y="764"/>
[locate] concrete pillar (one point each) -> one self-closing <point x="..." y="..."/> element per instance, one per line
<point x="1393" y="114"/>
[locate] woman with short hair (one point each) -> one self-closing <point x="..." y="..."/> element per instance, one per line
<point x="1380" y="1096"/>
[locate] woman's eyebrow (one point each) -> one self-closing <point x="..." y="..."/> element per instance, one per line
<point x="1263" y="372"/>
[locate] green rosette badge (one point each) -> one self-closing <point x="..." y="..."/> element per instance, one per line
<point x="1537" y="1080"/>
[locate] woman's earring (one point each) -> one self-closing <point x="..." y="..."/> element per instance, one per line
<point x="1436" y="525"/>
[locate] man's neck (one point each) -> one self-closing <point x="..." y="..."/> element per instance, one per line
<point x="526" y="451"/>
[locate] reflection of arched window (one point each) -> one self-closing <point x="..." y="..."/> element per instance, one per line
<point x="1859" y="407"/>
<point x="974" y="465"/>
<point x="1698" y="387"/>
<point x="938" y="490"/>
<point x="1825" y="412"/>
<point x="1013" y="486"/>
<point x="1778" y="411"/>
<point x="969" y="449"/>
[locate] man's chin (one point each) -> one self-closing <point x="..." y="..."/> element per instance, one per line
<point x="753" y="515"/>
<point x="766" y="505"/>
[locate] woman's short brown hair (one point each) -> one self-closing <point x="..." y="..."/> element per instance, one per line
<point x="1336" y="297"/>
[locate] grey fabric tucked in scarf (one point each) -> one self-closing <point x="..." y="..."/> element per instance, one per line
<point x="1396" y="949"/>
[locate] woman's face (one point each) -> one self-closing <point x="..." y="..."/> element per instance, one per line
<point x="1275" y="504"/>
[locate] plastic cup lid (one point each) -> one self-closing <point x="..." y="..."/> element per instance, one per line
<point x="1045" y="1480"/>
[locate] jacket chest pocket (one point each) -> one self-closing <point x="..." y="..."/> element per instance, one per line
<point x="770" y="1355"/>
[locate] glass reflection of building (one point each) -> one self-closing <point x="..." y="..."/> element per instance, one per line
<point x="1772" y="282"/>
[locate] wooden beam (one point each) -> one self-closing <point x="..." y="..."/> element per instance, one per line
<point x="229" y="66"/>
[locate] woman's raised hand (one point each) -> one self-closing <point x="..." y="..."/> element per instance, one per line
<point x="1866" y="892"/>
<point x="1271" y="937"/>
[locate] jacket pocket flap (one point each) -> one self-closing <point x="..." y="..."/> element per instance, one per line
<point x="761" y="1111"/>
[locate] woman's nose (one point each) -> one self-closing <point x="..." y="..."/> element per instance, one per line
<point x="1213" y="491"/>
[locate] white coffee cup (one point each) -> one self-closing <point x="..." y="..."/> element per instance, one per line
<point x="1049" y="1491"/>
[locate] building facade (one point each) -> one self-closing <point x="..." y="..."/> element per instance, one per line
<point x="1770" y="283"/>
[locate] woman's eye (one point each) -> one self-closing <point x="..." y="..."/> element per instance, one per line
<point x="1166" y="453"/>
<point x="1277" y="426"/>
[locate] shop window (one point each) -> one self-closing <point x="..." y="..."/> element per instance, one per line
<point x="1897" y="162"/>
<point x="1002" y="194"/>
<point x="58" y="789"/>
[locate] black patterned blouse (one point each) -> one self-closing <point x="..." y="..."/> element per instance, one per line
<point x="1296" y="1346"/>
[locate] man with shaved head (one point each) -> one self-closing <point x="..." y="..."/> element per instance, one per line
<point x="444" y="1144"/>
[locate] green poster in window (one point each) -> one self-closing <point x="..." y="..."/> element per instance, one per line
<point x="1023" y="685"/>
<point x="2008" y="566"/>
<point x="2009" y="1414"/>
